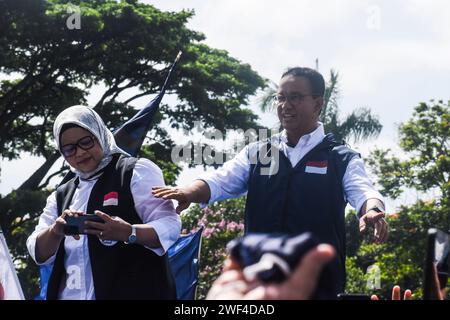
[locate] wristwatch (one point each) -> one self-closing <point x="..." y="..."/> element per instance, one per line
<point x="133" y="237"/>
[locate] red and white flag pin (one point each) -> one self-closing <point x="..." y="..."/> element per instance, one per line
<point x="317" y="167"/>
<point x="111" y="199"/>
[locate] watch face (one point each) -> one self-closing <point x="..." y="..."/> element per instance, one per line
<point x="132" y="238"/>
<point x="376" y="209"/>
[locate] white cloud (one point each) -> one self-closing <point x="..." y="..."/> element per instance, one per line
<point x="434" y="14"/>
<point x="270" y="35"/>
<point x="365" y="67"/>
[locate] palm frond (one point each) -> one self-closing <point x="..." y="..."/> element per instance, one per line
<point x="265" y="101"/>
<point x="360" y="125"/>
<point x="331" y="94"/>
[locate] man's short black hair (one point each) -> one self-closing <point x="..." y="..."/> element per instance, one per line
<point x="315" y="79"/>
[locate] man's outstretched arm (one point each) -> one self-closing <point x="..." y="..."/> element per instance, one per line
<point x="197" y="192"/>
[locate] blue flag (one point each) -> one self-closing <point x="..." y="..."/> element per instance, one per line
<point x="44" y="276"/>
<point x="184" y="257"/>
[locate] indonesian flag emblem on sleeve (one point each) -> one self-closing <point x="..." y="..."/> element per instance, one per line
<point x="111" y="199"/>
<point x="317" y="167"/>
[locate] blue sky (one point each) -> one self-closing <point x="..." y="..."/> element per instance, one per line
<point x="391" y="55"/>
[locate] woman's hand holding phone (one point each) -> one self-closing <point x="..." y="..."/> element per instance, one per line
<point x="58" y="227"/>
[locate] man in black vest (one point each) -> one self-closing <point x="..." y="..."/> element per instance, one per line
<point x="297" y="181"/>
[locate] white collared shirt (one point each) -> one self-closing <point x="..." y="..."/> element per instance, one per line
<point x="157" y="213"/>
<point x="231" y="180"/>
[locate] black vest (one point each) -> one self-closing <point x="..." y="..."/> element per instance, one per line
<point x="306" y="198"/>
<point x="120" y="271"/>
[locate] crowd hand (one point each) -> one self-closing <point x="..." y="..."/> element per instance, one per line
<point x="396" y="294"/>
<point x="113" y="228"/>
<point x="58" y="226"/>
<point x="376" y="220"/>
<point x="176" y="193"/>
<point x="299" y="286"/>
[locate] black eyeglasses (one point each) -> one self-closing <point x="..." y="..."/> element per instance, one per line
<point x="294" y="99"/>
<point x="84" y="143"/>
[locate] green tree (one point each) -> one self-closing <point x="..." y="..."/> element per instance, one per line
<point x="425" y="140"/>
<point x="123" y="48"/>
<point x="359" y="125"/>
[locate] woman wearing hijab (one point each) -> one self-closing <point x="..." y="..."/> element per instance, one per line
<point x="125" y="256"/>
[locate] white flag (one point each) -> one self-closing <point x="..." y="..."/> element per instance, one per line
<point x="10" y="288"/>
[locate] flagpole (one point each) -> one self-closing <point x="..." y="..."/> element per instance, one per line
<point x="170" y="71"/>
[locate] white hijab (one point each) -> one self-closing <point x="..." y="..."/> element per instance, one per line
<point x="88" y="119"/>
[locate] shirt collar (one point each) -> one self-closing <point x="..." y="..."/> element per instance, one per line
<point x="314" y="137"/>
